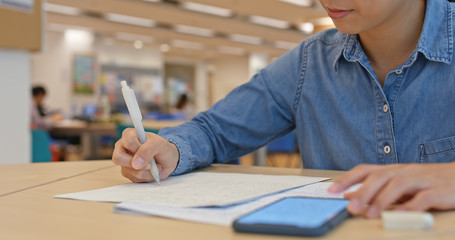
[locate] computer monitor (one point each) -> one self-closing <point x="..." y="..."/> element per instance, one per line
<point x="89" y="110"/>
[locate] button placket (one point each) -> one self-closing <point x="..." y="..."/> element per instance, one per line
<point x="385" y="108"/>
<point x="387" y="149"/>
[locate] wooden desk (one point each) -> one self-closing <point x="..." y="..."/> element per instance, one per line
<point x="18" y="177"/>
<point x="158" y="124"/>
<point x="88" y="132"/>
<point x="34" y="214"/>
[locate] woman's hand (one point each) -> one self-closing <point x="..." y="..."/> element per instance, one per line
<point x="134" y="158"/>
<point x="417" y="187"/>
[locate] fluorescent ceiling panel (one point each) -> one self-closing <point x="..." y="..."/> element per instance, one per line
<point x="300" y="3"/>
<point x="55" y="8"/>
<point x="194" y="30"/>
<point x="130" y="20"/>
<point x="307" y="27"/>
<point x="203" y="8"/>
<point x="270" y="22"/>
<point x="245" y="39"/>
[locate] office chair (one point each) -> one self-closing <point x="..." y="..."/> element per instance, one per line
<point x="286" y="144"/>
<point x="41" y="146"/>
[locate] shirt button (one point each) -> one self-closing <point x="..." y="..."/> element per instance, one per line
<point x="399" y="72"/>
<point x="386" y="108"/>
<point x="387" y="149"/>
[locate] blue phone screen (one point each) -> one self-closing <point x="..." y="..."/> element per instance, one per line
<point x="298" y="212"/>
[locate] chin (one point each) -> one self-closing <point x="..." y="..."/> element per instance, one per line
<point x="347" y="29"/>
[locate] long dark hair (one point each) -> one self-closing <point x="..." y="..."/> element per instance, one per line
<point x="183" y="100"/>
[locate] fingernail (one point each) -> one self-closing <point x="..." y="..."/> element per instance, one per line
<point x="354" y="206"/>
<point x="138" y="163"/>
<point x="372" y="212"/>
<point x="334" y="188"/>
<point x="147" y="166"/>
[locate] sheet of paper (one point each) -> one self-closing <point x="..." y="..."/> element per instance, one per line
<point x="224" y="215"/>
<point x="197" y="189"/>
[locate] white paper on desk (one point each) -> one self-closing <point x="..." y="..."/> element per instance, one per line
<point x="197" y="189"/>
<point x="224" y="215"/>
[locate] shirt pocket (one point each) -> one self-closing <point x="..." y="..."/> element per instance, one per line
<point x="438" y="151"/>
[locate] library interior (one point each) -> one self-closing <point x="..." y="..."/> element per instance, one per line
<point x="180" y="57"/>
<point x="63" y="64"/>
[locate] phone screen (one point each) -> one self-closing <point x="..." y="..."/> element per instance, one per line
<point x="297" y="212"/>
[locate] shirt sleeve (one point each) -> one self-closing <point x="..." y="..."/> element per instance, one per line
<point x="247" y="118"/>
<point x="37" y="120"/>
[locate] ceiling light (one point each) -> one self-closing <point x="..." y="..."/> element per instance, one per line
<point x="138" y="44"/>
<point x="165" y="48"/>
<point x="187" y="44"/>
<point x="194" y="30"/>
<point x="300" y="3"/>
<point x="78" y="37"/>
<point x="271" y="22"/>
<point x="133" y="37"/>
<point x="49" y="7"/>
<point x="307" y="27"/>
<point x="203" y="8"/>
<point x="231" y="50"/>
<point x="245" y="39"/>
<point x="285" y="45"/>
<point x="130" y="20"/>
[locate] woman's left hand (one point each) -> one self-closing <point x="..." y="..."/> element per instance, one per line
<point x="417" y="187"/>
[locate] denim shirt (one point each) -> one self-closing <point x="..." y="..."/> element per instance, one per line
<point x="327" y="91"/>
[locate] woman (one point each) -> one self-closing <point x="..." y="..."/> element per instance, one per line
<point x="40" y="119"/>
<point x="378" y="90"/>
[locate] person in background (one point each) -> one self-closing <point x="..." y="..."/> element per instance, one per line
<point x="40" y="118"/>
<point x="184" y="106"/>
<point x="378" y="90"/>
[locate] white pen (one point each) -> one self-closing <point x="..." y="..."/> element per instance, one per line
<point x="136" y="117"/>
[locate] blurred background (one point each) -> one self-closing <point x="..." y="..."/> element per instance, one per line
<point x="179" y="56"/>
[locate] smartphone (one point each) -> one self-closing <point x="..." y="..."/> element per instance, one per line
<point x="297" y="216"/>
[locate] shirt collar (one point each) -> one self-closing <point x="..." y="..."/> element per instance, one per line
<point x="436" y="39"/>
<point x="435" y="42"/>
<point x="350" y="49"/>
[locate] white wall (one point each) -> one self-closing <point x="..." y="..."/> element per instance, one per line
<point x="229" y="72"/>
<point x="128" y="56"/>
<point x="52" y="68"/>
<point x="258" y="61"/>
<point x="15" y="146"/>
<point x="201" y="91"/>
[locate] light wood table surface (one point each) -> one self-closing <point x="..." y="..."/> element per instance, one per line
<point x="158" y="124"/>
<point x="17" y="177"/>
<point x="33" y="213"/>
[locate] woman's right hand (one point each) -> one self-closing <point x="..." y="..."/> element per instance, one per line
<point x="134" y="157"/>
